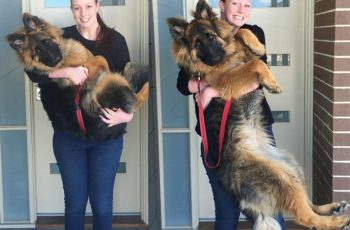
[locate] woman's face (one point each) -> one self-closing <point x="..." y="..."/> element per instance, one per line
<point x="85" y="12"/>
<point x="235" y="12"/>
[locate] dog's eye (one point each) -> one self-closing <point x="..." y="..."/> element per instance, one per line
<point x="210" y="36"/>
<point x="45" y="41"/>
<point x="37" y="50"/>
<point x="199" y="44"/>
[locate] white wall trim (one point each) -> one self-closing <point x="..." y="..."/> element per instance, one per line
<point x="159" y="111"/>
<point x="194" y="143"/>
<point x="144" y="114"/>
<point x="26" y="7"/>
<point x="308" y="121"/>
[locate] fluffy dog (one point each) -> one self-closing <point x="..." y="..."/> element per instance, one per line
<point x="40" y="47"/>
<point x="263" y="178"/>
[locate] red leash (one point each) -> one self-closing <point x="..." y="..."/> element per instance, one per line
<point x="204" y="131"/>
<point x="78" y="110"/>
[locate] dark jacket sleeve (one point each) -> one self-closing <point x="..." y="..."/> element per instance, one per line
<point x="37" y="78"/>
<point x="182" y="82"/>
<point x="120" y="53"/>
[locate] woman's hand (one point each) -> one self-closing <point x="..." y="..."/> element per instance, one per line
<point x="77" y="75"/>
<point x="115" y="116"/>
<point x="206" y="95"/>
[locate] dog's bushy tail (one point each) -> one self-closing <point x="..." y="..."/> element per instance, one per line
<point x="138" y="78"/>
<point x="266" y="223"/>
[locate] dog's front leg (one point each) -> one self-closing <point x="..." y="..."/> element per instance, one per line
<point x="249" y="39"/>
<point x="95" y="65"/>
<point x="239" y="80"/>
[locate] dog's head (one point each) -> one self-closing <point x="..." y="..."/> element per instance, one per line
<point x="37" y="44"/>
<point x="204" y="42"/>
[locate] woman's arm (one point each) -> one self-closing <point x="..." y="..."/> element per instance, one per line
<point x="188" y="87"/>
<point x="77" y="75"/>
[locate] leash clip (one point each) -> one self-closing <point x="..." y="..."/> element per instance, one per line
<point x="198" y="74"/>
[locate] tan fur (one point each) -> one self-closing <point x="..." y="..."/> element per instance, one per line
<point x="142" y="96"/>
<point x="239" y="65"/>
<point x="73" y="54"/>
<point x="265" y="179"/>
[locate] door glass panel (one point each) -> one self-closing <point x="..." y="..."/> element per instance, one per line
<point x="174" y="105"/>
<point x="12" y="98"/>
<point x="177" y="184"/>
<point x="14" y="166"/>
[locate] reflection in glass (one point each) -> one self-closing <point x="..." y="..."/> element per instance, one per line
<point x="258" y="3"/>
<point x="214" y="3"/>
<point x="270" y="3"/>
<point x="278" y="59"/>
<point x="66" y="3"/>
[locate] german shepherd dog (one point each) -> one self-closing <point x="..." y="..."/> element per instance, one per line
<point x="40" y="47"/>
<point x="265" y="179"/>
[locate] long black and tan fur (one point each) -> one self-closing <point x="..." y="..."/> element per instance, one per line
<point x="265" y="179"/>
<point x="40" y="47"/>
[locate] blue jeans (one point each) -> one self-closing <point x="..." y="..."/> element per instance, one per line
<point x="227" y="209"/>
<point x="88" y="170"/>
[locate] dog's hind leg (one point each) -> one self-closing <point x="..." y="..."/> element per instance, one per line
<point x="142" y="96"/>
<point x="138" y="77"/>
<point x="330" y="209"/>
<point x="297" y="203"/>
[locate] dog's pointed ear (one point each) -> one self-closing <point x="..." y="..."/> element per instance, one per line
<point x="16" y="41"/>
<point x="203" y="11"/>
<point x="31" y="23"/>
<point x="177" y="28"/>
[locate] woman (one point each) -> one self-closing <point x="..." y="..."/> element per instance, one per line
<point x="227" y="212"/>
<point x="87" y="167"/>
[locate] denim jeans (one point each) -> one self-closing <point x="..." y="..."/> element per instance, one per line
<point x="88" y="171"/>
<point x="227" y="209"/>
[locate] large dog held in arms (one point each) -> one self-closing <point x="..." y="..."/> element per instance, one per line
<point x="40" y="47"/>
<point x="265" y="179"/>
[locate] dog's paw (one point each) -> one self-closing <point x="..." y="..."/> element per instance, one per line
<point x="259" y="49"/>
<point x="275" y="89"/>
<point x="341" y="207"/>
<point x="272" y="87"/>
<point x="347" y="223"/>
